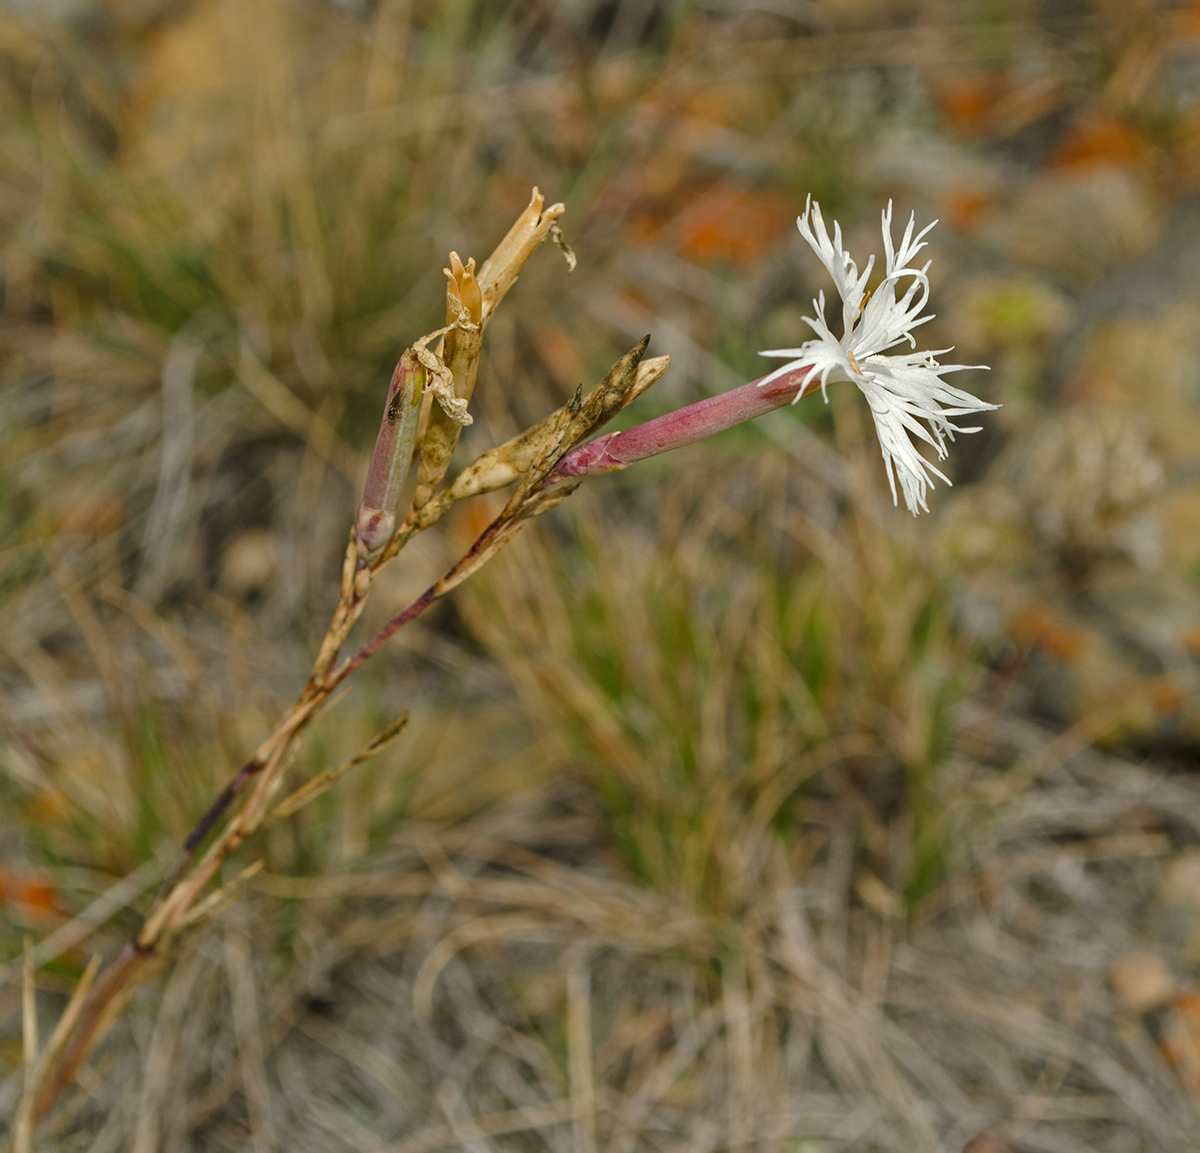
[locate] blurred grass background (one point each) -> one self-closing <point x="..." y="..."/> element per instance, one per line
<point x="738" y="809"/>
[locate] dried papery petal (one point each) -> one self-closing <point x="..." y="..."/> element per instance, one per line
<point x="500" y="270"/>
<point x="464" y="300"/>
<point x="454" y="385"/>
<point x="440" y="383"/>
<point x="470" y="302"/>
<point x="464" y="336"/>
<point x="568" y="252"/>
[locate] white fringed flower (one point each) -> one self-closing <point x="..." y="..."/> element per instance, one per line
<point x="903" y="389"/>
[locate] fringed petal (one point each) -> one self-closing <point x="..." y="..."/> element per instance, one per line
<point x="909" y="400"/>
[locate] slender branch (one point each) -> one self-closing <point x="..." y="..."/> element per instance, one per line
<point x="205" y="825"/>
<point x="389" y="630"/>
<point x="433" y="593"/>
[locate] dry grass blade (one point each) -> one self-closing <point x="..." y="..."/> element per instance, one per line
<point x="218" y="900"/>
<point x="531" y="1117"/>
<point x="29" y="1021"/>
<point x="70" y="1014"/>
<point x="480" y="929"/>
<point x="36" y="1063"/>
<point x="310" y="790"/>
<point x="22" y="1137"/>
<point x="162" y="1054"/>
<point x="372" y="1061"/>
<point x="292" y="412"/>
<point x="579" y="1049"/>
<point x="740" y="1048"/>
<point x="251" y="1052"/>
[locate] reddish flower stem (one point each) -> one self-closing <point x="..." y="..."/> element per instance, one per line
<point x="393" y="626"/>
<point x="617" y="450"/>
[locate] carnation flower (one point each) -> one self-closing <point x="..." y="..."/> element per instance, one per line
<point x="903" y="389"/>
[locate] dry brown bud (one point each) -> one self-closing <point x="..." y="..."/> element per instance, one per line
<point x="511" y="460"/>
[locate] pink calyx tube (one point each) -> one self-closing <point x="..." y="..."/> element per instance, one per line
<point x="617" y="450"/>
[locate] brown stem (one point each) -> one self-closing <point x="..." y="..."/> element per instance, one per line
<point x="207" y="823"/>
<point x="393" y="626"/>
<point x="204" y="826"/>
<point x="103" y="1002"/>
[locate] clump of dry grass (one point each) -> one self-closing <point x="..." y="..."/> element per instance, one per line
<point x="503" y="980"/>
<point x="706" y="679"/>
